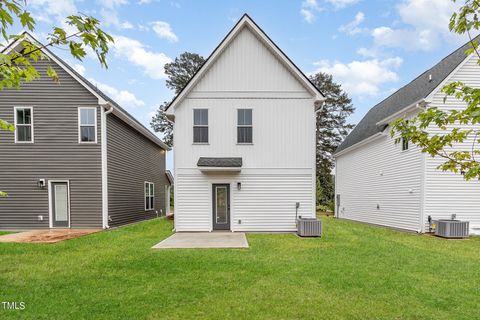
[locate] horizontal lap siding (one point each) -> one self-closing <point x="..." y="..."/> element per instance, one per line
<point x="448" y="193"/>
<point x="132" y="160"/>
<point x="55" y="154"/>
<point x="380" y="173"/>
<point x="266" y="201"/>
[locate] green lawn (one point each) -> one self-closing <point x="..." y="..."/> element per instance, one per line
<point x="354" y="271"/>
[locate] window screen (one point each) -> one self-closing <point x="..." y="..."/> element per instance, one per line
<point x="200" y="126"/>
<point x="244" y="126"/>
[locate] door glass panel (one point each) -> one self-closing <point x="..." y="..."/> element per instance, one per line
<point x="221" y="205"/>
<point x="61" y="202"/>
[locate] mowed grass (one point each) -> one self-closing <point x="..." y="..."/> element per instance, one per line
<point x="354" y="271"/>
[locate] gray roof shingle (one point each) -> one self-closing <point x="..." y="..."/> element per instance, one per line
<point x="220" y="162"/>
<point x="411" y="93"/>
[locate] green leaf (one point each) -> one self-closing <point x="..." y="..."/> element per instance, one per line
<point x="52" y="74"/>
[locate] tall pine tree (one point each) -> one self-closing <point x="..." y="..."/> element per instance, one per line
<point x="332" y="128"/>
<point x="178" y="72"/>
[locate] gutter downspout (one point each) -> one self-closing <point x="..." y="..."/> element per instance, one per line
<point x="103" y="122"/>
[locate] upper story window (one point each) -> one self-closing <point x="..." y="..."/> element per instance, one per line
<point x="149" y="196"/>
<point x="200" y="126"/>
<point x="404" y="144"/>
<point x="405" y="141"/>
<point x="244" y="126"/>
<point x="23" y="124"/>
<point x="87" y="124"/>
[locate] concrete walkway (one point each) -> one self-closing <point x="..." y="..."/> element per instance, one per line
<point x="46" y="236"/>
<point x="190" y="240"/>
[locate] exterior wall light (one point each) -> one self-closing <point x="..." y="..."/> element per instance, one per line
<point x="41" y="183"/>
<point x="239" y="185"/>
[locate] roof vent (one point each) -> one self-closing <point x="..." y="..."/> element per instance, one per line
<point x="430" y="78"/>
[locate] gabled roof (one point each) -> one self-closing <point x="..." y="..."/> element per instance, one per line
<point x="103" y="99"/>
<point x="246" y="21"/>
<point x="414" y="92"/>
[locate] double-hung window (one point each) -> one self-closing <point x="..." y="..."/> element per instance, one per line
<point x="405" y="141"/>
<point x="23" y="124"/>
<point x="244" y="126"/>
<point x="87" y="125"/>
<point x="149" y="196"/>
<point x="200" y="126"/>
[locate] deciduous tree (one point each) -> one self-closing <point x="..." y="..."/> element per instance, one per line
<point x="457" y="126"/>
<point x="17" y="66"/>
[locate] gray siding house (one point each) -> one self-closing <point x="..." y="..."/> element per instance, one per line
<point x="76" y="158"/>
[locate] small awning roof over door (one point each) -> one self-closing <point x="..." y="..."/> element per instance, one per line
<point x="220" y="164"/>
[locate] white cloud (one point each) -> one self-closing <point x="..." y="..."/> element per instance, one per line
<point x="164" y="31"/>
<point x="134" y="51"/>
<point x="79" y="68"/>
<point x="352" y="28"/>
<point x="424" y="39"/>
<point x="308" y="10"/>
<point x="340" y="4"/>
<point x="112" y="3"/>
<point x="52" y="11"/>
<point x="362" y="78"/>
<point x="144" y="1"/>
<point x="126" y="25"/>
<point x="122" y="97"/>
<point x="425" y="26"/>
<point x="109" y="13"/>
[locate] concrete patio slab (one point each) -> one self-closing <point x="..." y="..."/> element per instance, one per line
<point x="193" y="240"/>
<point x="46" y="236"/>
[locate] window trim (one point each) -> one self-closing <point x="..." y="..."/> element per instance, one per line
<point x="80" y="125"/>
<point x="405" y="142"/>
<point x="198" y="126"/>
<point x="244" y="126"/>
<point x="152" y="195"/>
<point x="15" y="123"/>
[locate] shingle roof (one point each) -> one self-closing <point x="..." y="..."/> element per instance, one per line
<point x="413" y="92"/>
<point x="220" y="162"/>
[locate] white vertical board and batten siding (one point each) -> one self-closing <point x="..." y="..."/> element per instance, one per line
<point x="380" y="173"/>
<point x="278" y="167"/>
<point x="237" y="71"/>
<point x="448" y="193"/>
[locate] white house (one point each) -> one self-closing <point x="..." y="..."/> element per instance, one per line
<point x="245" y="139"/>
<point x="392" y="185"/>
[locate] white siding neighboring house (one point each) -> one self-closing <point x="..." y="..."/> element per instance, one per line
<point x="245" y="139"/>
<point x="380" y="183"/>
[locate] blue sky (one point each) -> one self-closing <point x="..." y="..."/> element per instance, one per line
<point x="370" y="47"/>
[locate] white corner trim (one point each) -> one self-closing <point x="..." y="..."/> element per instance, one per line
<point x="359" y="144"/>
<point x="31" y="124"/>
<point x="103" y="137"/>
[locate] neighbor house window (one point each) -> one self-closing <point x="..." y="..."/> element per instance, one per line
<point x="244" y="126"/>
<point x="200" y="126"/>
<point x="404" y="144"/>
<point x="405" y="141"/>
<point x="87" y="125"/>
<point x="23" y="124"/>
<point x="149" y="196"/>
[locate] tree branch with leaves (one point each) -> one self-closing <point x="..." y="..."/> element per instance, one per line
<point x="17" y="66"/>
<point x="458" y="125"/>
